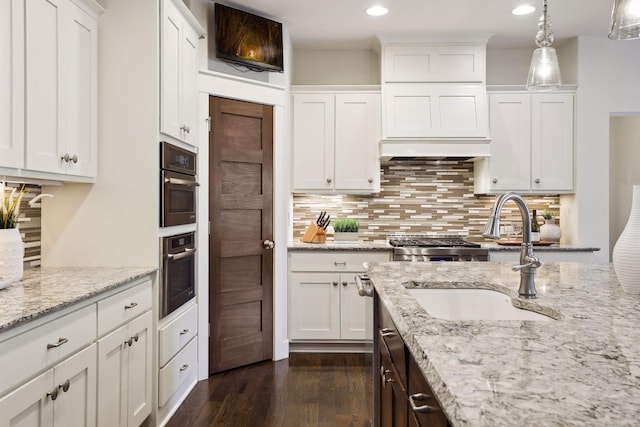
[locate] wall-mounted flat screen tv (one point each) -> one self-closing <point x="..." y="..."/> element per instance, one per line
<point x="247" y="39"/>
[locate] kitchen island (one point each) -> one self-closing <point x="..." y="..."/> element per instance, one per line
<point x="583" y="368"/>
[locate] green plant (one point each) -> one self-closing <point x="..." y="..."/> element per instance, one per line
<point x="547" y="215"/>
<point x="348" y="225"/>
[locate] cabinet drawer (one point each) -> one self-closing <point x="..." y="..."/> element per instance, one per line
<point x="28" y="353"/>
<point x="177" y="334"/>
<point x="390" y="338"/>
<point x="423" y="405"/>
<point x="172" y="376"/>
<point x="123" y="306"/>
<point x="335" y="260"/>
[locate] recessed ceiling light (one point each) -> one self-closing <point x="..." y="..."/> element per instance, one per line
<point x="377" y="11"/>
<point x="523" y="10"/>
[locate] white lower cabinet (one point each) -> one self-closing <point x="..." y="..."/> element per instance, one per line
<point x="64" y="395"/>
<point x="324" y="304"/>
<point x="124" y="374"/>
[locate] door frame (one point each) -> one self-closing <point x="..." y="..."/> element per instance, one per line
<point x="227" y="86"/>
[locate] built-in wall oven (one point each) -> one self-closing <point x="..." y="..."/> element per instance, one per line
<point x="178" y="271"/>
<point x="178" y="186"/>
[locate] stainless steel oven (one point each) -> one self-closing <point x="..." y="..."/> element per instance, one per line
<point x="178" y="186"/>
<point x="178" y="271"/>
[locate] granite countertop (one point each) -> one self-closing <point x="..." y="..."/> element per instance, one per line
<point x="551" y="248"/>
<point x="46" y="290"/>
<point x="332" y="246"/>
<point x="582" y="369"/>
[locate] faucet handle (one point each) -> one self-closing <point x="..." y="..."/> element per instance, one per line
<point x="533" y="262"/>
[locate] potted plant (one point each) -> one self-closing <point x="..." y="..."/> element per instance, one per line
<point x="11" y="246"/>
<point x="345" y="230"/>
<point x="550" y="230"/>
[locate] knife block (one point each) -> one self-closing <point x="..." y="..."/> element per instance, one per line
<point x="314" y="234"/>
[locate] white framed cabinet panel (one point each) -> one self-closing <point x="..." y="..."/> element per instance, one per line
<point x="61" y="43"/>
<point x="314" y="306"/>
<point x="178" y="73"/>
<point x="335" y="142"/>
<point x="434" y="110"/>
<point x="532" y="145"/>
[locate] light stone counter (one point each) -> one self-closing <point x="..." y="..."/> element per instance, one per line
<point x="332" y="246"/>
<point x="46" y="290"/>
<point x="551" y="248"/>
<point x="582" y="369"/>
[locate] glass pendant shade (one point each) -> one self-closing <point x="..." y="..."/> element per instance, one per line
<point x="544" y="72"/>
<point x="625" y="20"/>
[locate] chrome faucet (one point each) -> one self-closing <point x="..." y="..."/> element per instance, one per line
<point x="528" y="262"/>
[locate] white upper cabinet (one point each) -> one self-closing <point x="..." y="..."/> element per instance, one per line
<point x="178" y="72"/>
<point x="11" y="84"/>
<point x="49" y="118"/>
<point x="436" y="63"/>
<point x="434" y="91"/>
<point x="335" y="142"/>
<point x="532" y="144"/>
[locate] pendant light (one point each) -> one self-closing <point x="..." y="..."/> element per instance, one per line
<point x="544" y="71"/>
<point x="625" y="20"/>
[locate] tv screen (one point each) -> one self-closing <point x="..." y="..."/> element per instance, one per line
<point x="247" y="39"/>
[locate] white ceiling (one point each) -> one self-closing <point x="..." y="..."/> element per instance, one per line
<point x="343" y="24"/>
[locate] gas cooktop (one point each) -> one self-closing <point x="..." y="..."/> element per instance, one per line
<point x="431" y="242"/>
<point x="435" y="248"/>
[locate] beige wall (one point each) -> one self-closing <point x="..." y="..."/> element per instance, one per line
<point x="624" y="149"/>
<point x="335" y="67"/>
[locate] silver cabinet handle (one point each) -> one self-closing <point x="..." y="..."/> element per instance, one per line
<point x="74" y="158"/>
<point x="185" y="128"/>
<point x="334" y="283"/>
<point x="423" y="409"/>
<point x="184" y="332"/>
<point x="184" y="368"/>
<point x="65" y="386"/>
<point x="58" y="344"/>
<point x="66" y="157"/>
<point x="136" y="337"/>
<point x="370" y="180"/>
<point x="363" y="291"/>
<point x="329" y="180"/>
<point x="53" y="394"/>
<point x="129" y="342"/>
<point x="130" y="305"/>
<point x="343" y="263"/>
<point x="344" y="283"/>
<point x="268" y="244"/>
<point x="386" y="332"/>
<point x="178" y="181"/>
<point x="187" y="252"/>
<point x="494" y="180"/>
<point x="537" y="181"/>
<point x="386" y="379"/>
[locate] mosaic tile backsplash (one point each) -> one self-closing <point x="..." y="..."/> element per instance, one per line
<point x="416" y="196"/>
<point x="30" y="226"/>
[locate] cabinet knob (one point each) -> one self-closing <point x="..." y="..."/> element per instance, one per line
<point x="537" y="181"/>
<point x="66" y="157"/>
<point x="184" y="332"/>
<point x="334" y="283"/>
<point x="65" y="386"/>
<point x="74" y="158"/>
<point x="53" y="394"/>
<point x="185" y="128"/>
<point x="345" y="283"/>
<point x="58" y="344"/>
<point x="494" y="180"/>
<point x="329" y="180"/>
<point x="370" y="180"/>
<point x="184" y="368"/>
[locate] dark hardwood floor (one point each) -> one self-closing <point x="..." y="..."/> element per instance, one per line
<point x="332" y="390"/>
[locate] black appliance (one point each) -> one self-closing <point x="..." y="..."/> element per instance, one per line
<point x="178" y="186"/>
<point x="178" y="271"/>
<point x="435" y="248"/>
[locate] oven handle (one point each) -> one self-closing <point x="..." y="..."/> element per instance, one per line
<point x="178" y="181"/>
<point x="364" y="291"/>
<point x="187" y="252"/>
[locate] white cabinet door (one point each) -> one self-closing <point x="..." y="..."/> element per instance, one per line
<point x="139" y="370"/>
<point x="178" y="75"/>
<point x="313" y="141"/>
<point x="12" y="84"/>
<point x="435" y="110"/>
<point x="314" y="306"/>
<point x="75" y="405"/>
<point x="510" y="121"/>
<point x="124" y="374"/>
<point x="552" y="142"/>
<point x="356" y="312"/>
<point x="45" y="70"/>
<point x="81" y="142"/>
<point x="29" y="405"/>
<point x="170" y="73"/>
<point x="357" y="133"/>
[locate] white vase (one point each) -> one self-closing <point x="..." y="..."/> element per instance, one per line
<point x="11" y="256"/>
<point x="345" y="236"/>
<point x="550" y="231"/>
<point x="626" y="252"/>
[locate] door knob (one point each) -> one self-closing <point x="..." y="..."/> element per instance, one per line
<point x="268" y="244"/>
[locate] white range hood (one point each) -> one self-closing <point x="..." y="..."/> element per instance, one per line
<point x="435" y="148"/>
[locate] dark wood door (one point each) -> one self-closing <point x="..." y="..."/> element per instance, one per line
<point x="241" y="215"/>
